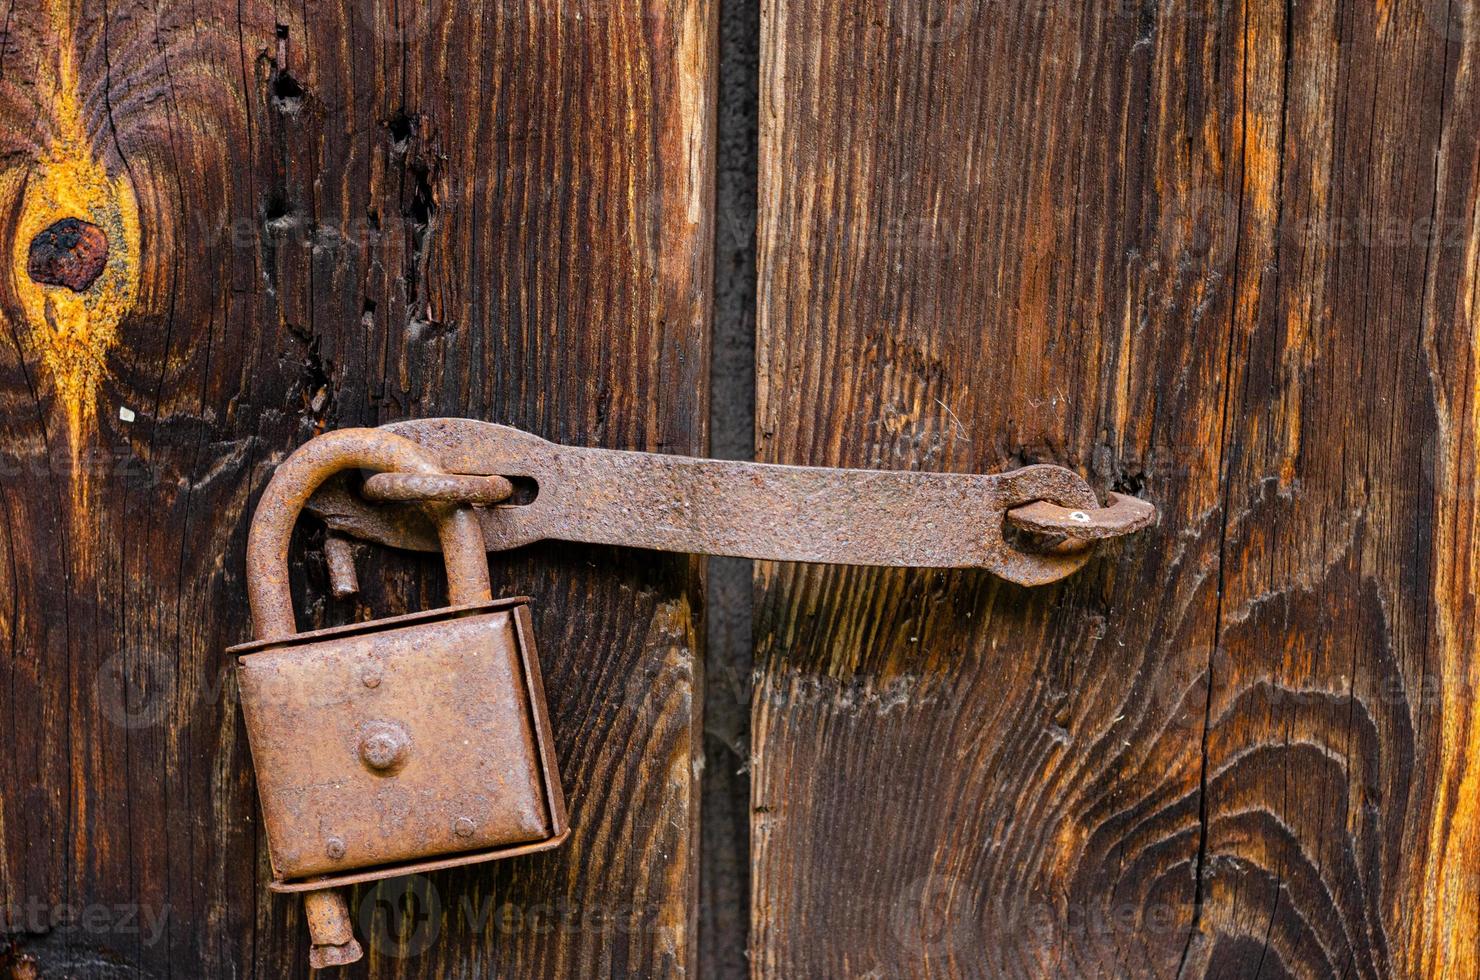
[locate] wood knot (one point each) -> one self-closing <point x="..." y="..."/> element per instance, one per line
<point x="70" y="253"/>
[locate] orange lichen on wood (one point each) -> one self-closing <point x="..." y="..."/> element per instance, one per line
<point x="72" y="330"/>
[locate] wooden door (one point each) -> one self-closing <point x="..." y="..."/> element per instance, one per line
<point x="324" y="215"/>
<point x="1219" y="254"/>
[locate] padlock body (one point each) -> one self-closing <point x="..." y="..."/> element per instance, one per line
<point x="399" y="745"/>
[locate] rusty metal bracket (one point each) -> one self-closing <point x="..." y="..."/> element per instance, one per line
<point x="1123" y="515"/>
<point x="747" y="510"/>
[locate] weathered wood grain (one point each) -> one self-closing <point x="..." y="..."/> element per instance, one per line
<point x="1223" y="255"/>
<point x="324" y="215"/>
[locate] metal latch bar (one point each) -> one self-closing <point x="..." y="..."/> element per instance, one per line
<point x="748" y="510"/>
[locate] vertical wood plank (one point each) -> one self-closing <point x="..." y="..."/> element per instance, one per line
<point x="323" y="215"/>
<point x="1218" y="254"/>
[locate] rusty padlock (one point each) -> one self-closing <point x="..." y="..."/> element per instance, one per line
<point x="394" y="746"/>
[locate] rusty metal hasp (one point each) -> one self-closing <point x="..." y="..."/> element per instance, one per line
<point x="1032" y="526"/>
<point x="422" y="741"/>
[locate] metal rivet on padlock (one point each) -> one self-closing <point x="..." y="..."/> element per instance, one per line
<point x="384" y="745"/>
<point x="445" y="707"/>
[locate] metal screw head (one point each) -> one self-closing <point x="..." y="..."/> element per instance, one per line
<point x="334" y="847"/>
<point x="383" y="745"/>
<point x="463" y="826"/>
<point x="370" y="676"/>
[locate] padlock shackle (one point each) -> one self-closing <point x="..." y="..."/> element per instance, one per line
<point x="295" y="481"/>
